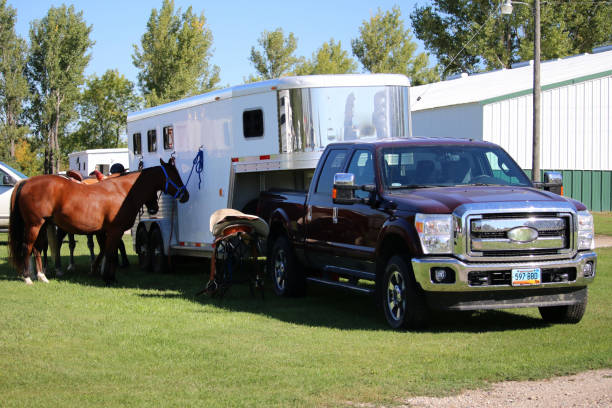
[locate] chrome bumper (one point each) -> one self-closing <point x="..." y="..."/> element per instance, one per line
<point x="422" y="268"/>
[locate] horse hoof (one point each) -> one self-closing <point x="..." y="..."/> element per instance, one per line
<point x="59" y="273"/>
<point x="28" y="281"/>
<point x="70" y="268"/>
<point x="41" y="277"/>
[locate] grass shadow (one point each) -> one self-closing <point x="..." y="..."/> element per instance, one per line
<point x="321" y="307"/>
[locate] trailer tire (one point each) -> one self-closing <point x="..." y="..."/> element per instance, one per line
<point x="287" y="276"/>
<point x="403" y="304"/>
<point x="159" y="262"/>
<point x="142" y="248"/>
<point x="569" y="314"/>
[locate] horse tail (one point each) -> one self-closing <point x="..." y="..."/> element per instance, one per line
<point x="16" y="230"/>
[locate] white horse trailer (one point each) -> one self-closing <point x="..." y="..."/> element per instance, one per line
<point x="254" y="137"/>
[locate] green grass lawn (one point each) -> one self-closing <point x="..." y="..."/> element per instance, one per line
<point x="603" y="222"/>
<point x="150" y="342"/>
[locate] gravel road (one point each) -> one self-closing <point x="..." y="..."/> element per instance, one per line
<point x="588" y="389"/>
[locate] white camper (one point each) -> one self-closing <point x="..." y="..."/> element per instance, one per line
<point x="253" y="137"/>
<point x="102" y="160"/>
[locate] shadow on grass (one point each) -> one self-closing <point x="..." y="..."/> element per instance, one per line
<point x="322" y="307"/>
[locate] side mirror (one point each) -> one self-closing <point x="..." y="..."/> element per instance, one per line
<point x="344" y="189"/>
<point x="553" y="182"/>
<point x="7" y="180"/>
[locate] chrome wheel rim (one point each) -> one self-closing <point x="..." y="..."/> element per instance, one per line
<point x="280" y="262"/>
<point x="396" y="299"/>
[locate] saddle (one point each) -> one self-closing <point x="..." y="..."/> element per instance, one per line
<point x="75" y="176"/>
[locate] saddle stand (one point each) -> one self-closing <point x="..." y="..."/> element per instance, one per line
<point x="237" y="254"/>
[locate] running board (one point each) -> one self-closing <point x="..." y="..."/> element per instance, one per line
<point x="343" y="285"/>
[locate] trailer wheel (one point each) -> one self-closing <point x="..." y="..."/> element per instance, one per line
<point x="570" y="314"/>
<point x="288" y="278"/>
<point x="142" y="248"/>
<point x="159" y="263"/>
<point x="403" y="305"/>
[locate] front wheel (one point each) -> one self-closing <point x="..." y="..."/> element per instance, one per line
<point x="403" y="305"/>
<point x="286" y="274"/>
<point x="570" y="314"/>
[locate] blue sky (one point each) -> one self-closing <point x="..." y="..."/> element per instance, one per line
<point x="235" y="25"/>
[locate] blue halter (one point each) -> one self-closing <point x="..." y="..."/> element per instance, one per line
<point x="172" y="183"/>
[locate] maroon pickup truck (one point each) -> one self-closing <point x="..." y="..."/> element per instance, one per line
<point x="432" y="224"/>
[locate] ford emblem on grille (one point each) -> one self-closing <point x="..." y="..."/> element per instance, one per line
<point x="523" y="234"/>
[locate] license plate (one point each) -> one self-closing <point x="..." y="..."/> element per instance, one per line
<point x="526" y="276"/>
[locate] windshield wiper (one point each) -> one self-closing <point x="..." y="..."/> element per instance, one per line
<point x="409" y="186"/>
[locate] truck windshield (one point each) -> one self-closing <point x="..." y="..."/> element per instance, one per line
<point x="433" y="166"/>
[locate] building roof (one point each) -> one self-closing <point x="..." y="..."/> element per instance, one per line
<point x="491" y="86"/>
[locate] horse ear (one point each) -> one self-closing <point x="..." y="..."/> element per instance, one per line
<point x="161" y="162"/>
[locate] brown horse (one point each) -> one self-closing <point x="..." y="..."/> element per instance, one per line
<point x="108" y="207"/>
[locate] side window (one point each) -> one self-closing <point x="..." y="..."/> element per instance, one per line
<point x="333" y="164"/>
<point x="152" y="141"/>
<point x="252" y="123"/>
<point x="168" y="138"/>
<point x="362" y="166"/>
<point x="137" y="143"/>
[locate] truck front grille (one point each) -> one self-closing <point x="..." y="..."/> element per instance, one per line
<point x="519" y="235"/>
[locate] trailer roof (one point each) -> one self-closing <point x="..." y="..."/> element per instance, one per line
<point x="294" y="82"/>
<point x="488" y="87"/>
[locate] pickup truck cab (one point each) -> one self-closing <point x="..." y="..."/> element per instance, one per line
<point x="431" y="224"/>
<point x="8" y="178"/>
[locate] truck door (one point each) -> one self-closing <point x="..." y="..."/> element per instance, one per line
<point x="359" y="222"/>
<point x="322" y="231"/>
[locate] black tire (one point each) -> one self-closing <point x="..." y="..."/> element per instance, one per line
<point x="287" y="277"/>
<point x="142" y="248"/>
<point x="159" y="262"/>
<point x="570" y="314"/>
<point x="402" y="303"/>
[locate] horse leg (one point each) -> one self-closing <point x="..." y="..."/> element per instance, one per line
<point x="110" y="250"/>
<point x="30" y="237"/>
<point x="90" y="245"/>
<point x="72" y="246"/>
<point x="55" y="235"/>
<point x="95" y="266"/>
<point x="40" y="274"/>
<point x="124" y="259"/>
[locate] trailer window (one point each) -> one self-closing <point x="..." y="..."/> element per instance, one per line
<point x="137" y="143"/>
<point x="252" y="123"/>
<point x="168" y="138"/>
<point x="152" y="140"/>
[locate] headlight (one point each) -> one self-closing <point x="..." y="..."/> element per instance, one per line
<point x="435" y="232"/>
<point x="586" y="230"/>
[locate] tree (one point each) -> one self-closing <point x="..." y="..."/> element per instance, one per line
<point x="103" y="109"/>
<point x="13" y="85"/>
<point x="174" y="59"/>
<point x="329" y="59"/>
<point x="58" y="57"/>
<point x="494" y="41"/>
<point x="385" y="46"/>
<point x="276" y="59"/>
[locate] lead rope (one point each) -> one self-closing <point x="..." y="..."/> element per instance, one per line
<point x="198" y="165"/>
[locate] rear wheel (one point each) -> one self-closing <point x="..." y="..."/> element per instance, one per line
<point x="570" y="314"/>
<point x="159" y="263"/>
<point x="287" y="276"/>
<point x="142" y="248"/>
<point x="403" y="305"/>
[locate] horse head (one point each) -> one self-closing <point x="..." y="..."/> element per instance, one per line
<point x="174" y="185"/>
